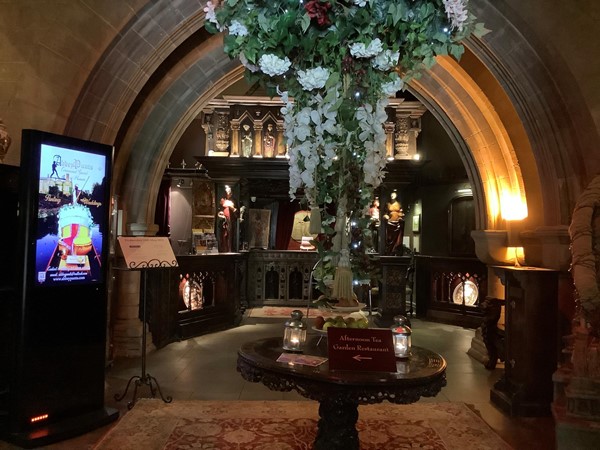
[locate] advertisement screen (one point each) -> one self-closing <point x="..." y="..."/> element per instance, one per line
<point x="71" y="208"/>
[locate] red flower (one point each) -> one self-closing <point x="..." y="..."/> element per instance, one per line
<point x="317" y="10"/>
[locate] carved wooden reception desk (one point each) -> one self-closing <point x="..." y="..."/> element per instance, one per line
<point x="205" y="293"/>
<point x="279" y="277"/>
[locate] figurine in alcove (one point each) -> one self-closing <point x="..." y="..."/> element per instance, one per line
<point x="394" y="226"/>
<point x="269" y="142"/>
<point x="246" y="141"/>
<point x="374" y="224"/>
<point x="227" y="217"/>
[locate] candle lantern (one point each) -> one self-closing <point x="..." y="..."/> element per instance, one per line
<point x="401" y="333"/>
<point x="294" y="333"/>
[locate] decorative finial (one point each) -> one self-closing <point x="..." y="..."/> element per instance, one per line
<point x="183" y="164"/>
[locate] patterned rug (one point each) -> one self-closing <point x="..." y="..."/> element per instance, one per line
<point x="285" y="311"/>
<point x="287" y="425"/>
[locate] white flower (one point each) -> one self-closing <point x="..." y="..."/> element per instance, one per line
<point x="385" y="60"/>
<point x="360" y="3"/>
<point x="359" y="50"/>
<point x="272" y="65"/>
<point x="393" y="86"/>
<point x="237" y="28"/>
<point x="211" y="16"/>
<point x="456" y="10"/>
<point x="246" y="63"/>
<point x="313" y="78"/>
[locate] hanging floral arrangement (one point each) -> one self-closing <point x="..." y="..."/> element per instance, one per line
<point x="335" y="64"/>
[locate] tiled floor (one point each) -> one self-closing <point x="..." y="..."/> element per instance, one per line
<point x="204" y="368"/>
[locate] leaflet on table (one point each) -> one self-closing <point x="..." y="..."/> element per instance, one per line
<point x="305" y="360"/>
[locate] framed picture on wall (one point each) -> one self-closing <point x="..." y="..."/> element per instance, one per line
<point x="416" y="223"/>
<point x="259" y="224"/>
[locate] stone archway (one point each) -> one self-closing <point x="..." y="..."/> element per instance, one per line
<point x="156" y="98"/>
<point x="147" y="138"/>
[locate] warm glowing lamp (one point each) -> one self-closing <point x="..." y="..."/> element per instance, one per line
<point x="401" y="334"/>
<point x="294" y="334"/>
<point x="514" y="210"/>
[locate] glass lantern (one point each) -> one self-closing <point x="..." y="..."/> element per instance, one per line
<point x="294" y="334"/>
<point x="401" y="333"/>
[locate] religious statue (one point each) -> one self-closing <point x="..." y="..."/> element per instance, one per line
<point x="269" y="142"/>
<point x="246" y="141"/>
<point x="227" y="216"/>
<point x="374" y="224"/>
<point x="394" y="228"/>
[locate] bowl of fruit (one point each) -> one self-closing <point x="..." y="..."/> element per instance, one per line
<point x="355" y="320"/>
<point x="339" y="305"/>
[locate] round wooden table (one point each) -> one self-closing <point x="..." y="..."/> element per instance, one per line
<point x="339" y="392"/>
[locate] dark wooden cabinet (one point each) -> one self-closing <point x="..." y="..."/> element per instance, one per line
<point x="531" y="323"/>
<point x="205" y="293"/>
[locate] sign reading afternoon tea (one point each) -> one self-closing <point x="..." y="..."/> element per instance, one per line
<point x="357" y="349"/>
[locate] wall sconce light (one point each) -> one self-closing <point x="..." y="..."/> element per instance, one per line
<point x="294" y="334"/>
<point x="180" y="182"/>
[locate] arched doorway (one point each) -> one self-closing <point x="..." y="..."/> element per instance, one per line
<point x="502" y="124"/>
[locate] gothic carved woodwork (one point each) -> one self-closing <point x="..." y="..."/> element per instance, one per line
<point x="531" y="347"/>
<point x="260" y="141"/>
<point x="222" y="134"/>
<point x="389" y="128"/>
<point x="407" y="128"/>
<point x="279" y="277"/>
<point x="401" y="141"/>
<point x="235" y="138"/>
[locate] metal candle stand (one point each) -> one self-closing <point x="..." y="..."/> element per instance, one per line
<point x="145" y="378"/>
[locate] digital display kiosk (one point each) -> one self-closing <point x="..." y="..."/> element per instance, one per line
<point x="56" y="387"/>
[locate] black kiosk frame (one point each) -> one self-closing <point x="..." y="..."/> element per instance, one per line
<point x="59" y="298"/>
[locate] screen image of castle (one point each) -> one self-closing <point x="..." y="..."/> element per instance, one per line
<point x="70" y="208"/>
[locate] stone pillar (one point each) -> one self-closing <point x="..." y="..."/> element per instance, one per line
<point x="401" y="138"/>
<point x="258" y="150"/>
<point x="389" y="140"/>
<point x="235" y="138"/>
<point x="407" y="127"/>
<point x="127" y="332"/>
<point x="281" y="148"/>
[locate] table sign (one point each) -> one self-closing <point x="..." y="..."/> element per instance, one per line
<point x="361" y="349"/>
<point x="304" y="360"/>
<point x="147" y="252"/>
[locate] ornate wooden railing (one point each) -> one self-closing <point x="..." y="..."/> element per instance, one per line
<point x="450" y="289"/>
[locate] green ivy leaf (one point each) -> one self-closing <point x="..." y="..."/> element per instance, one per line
<point x="457" y="50"/>
<point x="330" y="97"/>
<point x="263" y="22"/>
<point x="210" y="27"/>
<point x="305" y="22"/>
<point x="429" y="62"/>
<point x="333" y="79"/>
<point x="480" y="30"/>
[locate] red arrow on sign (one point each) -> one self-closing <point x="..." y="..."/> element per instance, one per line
<point x="360" y="358"/>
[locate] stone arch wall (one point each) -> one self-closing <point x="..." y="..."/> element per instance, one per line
<point x="149" y="137"/>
